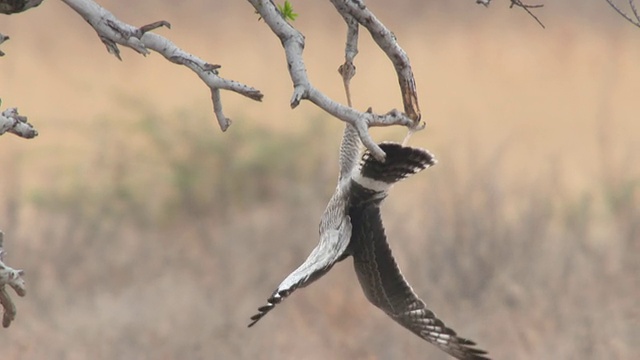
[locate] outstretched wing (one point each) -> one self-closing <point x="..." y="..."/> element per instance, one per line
<point x="335" y="230"/>
<point x="330" y="250"/>
<point x="385" y="287"/>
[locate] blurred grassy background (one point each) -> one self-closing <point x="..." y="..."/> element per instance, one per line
<point x="147" y="233"/>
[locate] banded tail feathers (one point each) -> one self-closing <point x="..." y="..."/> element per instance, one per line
<point x="401" y="162"/>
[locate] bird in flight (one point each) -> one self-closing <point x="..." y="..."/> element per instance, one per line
<point x="352" y="226"/>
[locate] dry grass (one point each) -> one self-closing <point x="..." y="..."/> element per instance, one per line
<point x="146" y="233"/>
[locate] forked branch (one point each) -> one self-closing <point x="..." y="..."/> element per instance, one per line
<point x="3" y="38"/>
<point x="293" y="42"/>
<point x="635" y="20"/>
<point x="13" y="278"/>
<point x="519" y="4"/>
<point x="114" y="32"/>
<point x="358" y="12"/>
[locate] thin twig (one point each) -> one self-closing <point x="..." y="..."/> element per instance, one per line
<point x="13" y="278"/>
<point x="348" y="69"/>
<point x="3" y="38"/>
<point x="632" y="4"/>
<point x="634" y="9"/>
<point x="527" y="8"/>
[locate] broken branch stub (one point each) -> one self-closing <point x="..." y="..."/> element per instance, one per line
<point x="12" y="122"/>
<point x="13" y="278"/>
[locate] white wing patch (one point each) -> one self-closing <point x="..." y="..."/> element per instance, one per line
<point x="369" y="183"/>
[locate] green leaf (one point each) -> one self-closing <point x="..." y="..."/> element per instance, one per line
<point x="287" y="11"/>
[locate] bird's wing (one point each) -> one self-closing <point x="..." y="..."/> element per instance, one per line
<point x="385" y="287"/>
<point x="331" y="248"/>
<point x="335" y="227"/>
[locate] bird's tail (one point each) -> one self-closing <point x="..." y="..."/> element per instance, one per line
<point x="401" y="162"/>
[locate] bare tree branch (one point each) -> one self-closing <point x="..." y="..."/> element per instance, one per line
<point x="293" y="43"/>
<point x="519" y="4"/>
<point x="527" y="8"/>
<point x="634" y="11"/>
<point x="387" y="41"/>
<point x="16" y="6"/>
<point x="3" y="38"/>
<point x="11" y="121"/>
<point x="13" y="278"/>
<point x="113" y="32"/>
<point x="348" y="69"/>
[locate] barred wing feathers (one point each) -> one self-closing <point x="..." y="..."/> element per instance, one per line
<point x="329" y="251"/>
<point x="379" y="276"/>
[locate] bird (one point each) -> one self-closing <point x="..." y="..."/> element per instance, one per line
<point x="352" y="226"/>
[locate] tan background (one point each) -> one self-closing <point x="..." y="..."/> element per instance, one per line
<point x="148" y="233"/>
